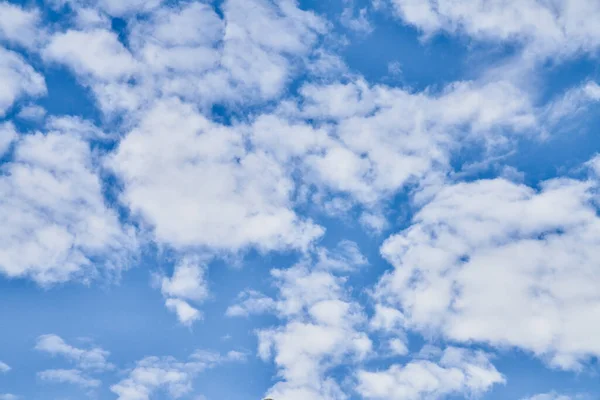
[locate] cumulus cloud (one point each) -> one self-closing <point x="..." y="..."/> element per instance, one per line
<point x="457" y="372"/>
<point x="18" y="79"/>
<point x="320" y="330"/>
<point x="188" y="283"/>
<point x="190" y="51"/>
<point x="490" y="254"/>
<point x="55" y="223"/>
<point x="96" y="53"/>
<point x="201" y="187"/>
<point x="546" y="28"/>
<point x="18" y="25"/>
<point x="388" y="138"/>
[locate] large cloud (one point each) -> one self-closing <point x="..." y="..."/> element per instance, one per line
<point x="545" y="27"/>
<point x="497" y="262"/>
<point x="320" y="330"/>
<point x="55" y="224"/>
<point x="188" y="50"/>
<point x="199" y="185"/>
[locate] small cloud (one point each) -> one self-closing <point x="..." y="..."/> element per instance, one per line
<point x="4" y="367"/>
<point x="32" y="113"/>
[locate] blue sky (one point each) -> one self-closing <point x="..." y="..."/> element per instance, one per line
<point x="345" y="199"/>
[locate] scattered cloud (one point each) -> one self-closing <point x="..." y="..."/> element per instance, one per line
<point x="94" y="359"/>
<point x="153" y="374"/>
<point x="4" y="368"/>
<point x="457" y="372"/>
<point x="71" y="376"/>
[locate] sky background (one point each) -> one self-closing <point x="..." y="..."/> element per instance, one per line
<point x="343" y="199"/>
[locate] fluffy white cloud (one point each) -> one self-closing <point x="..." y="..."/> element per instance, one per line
<point x="96" y="53"/>
<point x="71" y="376"/>
<point x="92" y="359"/>
<point x="497" y="262"/>
<point x="54" y="222"/>
<point x="547" y="28"/>
<point x="154" y="374"/>
<point x="18" y="25"/>
<point x="458" y="372"/>
<point x="188" y="283"/>
<point x="32" y="113"/>
<point x="388" y="138"/>
<point x="320" y="331"/>
<point x="199" y="185"/>
<point x="17" y="79"/>
<point x="186" y="314"/>
<point x="8" y="396"/>
<point x="190" y="51"/>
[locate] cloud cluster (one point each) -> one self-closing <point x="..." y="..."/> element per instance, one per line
<point x="455" y="372"/>
<point x="55" y="222"/>
<point x="87" y="361"/>
<point x="545" y="28"/>
<point x="501" y="263"/>
<point x="154" y="374"/>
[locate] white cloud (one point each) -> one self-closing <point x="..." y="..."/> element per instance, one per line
<point x="546" y="28"/>
<point x="4" y="368"/>
<point x="32" y="113"/>
<point x="188" y="284"/>
<point x="346" y="256"/>
<point x="188" y="50"/>
<point x="90" y="359"/>
<point x="359" y="23"/>
<point x="188" y="281"/>
<point x="8" y="134"/>
<point x="8" y="396"/>
<point x="199" y="185"/>
<point x="122" y="7"/>
<point x="153" y="374"/>
<point x="71" y="376"/>
<point x="549" y="396"/>
<point x="491" y="254"/>
<point x="388" y="138"/>
<point x="54" y="223"/>
<point x="17" y="79"/>
<point x="19" y="25"/>
<point x="251" y="302"/>
<point x="96" y="53"/>
<point x="117" y="8"/>
<point x="186" y="314"/>
<point x="319" y="331"/>
<point x="458" y="372"/>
